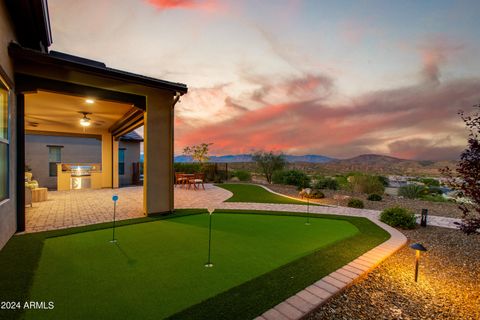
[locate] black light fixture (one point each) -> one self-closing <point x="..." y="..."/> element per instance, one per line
<point x="418" y="247"/>
<point x="423" y="219"/>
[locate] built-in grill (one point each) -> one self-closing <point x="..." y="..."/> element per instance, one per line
<point x="80" y="174"/>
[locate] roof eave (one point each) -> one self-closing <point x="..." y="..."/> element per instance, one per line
<point x="19" y="53"/>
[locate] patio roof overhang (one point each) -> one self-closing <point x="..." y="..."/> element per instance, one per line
<point x="24" y="57"/>
<point x="38" y="71"/>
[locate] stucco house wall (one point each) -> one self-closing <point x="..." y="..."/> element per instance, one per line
<point x="132" y="154"/>
<point x="8" y="219"/>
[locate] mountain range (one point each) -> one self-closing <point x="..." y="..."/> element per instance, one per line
<point x="311" y="158"/>
<point x="368" y="163"/>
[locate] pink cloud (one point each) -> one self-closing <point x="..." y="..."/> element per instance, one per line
<point x="343" y="130"/>
<point x="436" y="52"/>
<point x="209" y="5"/>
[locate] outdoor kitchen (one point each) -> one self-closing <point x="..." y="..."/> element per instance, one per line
<point x="75" y="176"/>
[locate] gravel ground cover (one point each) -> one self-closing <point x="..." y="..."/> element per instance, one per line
<point x="448" y="287"/>
<point x="444" y="209"/>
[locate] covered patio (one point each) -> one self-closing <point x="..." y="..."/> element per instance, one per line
<point x="56" y="94"/>
<point x="65" y="209"/>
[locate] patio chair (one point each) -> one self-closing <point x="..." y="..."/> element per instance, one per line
<point x="180" y="179"/>
<point x="196" y="181"/>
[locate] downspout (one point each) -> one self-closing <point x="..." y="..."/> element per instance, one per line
<point x="176" y="99"/>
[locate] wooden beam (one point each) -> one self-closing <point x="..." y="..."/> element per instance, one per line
<point x="64" y="134"/>
<point x="132" y="120"/>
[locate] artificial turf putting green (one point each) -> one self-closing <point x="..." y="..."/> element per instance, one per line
<point x="157" y="269"/>
<point x="256" y="194"/>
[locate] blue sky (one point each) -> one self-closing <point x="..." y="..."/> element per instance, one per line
<point x="338" y="78"/>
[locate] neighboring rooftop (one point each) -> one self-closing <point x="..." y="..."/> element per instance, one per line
<point x="131" y="137"/>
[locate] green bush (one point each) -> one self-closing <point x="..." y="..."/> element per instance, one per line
<point x="326" y="183"/>
<point x="435" y="191"/>
<point x="398" y="217"/>
<point x="430" y="182"/>
<point x="342" y="182"/>
<point x="292" y="177"/>
<point x="242" y="175"/>
<point x="355" y="203"/>
<point x="366" y="184"/>
<point x="411" y="191"/>
<point x="384" y="180"/>
<point x="374" y="197"/>
<point x="187" y="167"/>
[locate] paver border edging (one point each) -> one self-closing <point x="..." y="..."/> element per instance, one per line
<point x="309" y="299"/>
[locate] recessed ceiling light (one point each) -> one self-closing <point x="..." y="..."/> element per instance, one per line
<point x="90" y="101"/>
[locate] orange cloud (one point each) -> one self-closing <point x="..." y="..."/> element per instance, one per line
<point x="384" y="121"/>
<point x="184" y="4"/>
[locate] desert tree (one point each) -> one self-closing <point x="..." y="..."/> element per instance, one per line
<point x="466" y="176"/>
<point x="269" y="162"/>
<point x="199" y="152"/>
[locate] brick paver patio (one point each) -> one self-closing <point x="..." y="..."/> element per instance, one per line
<point x="65" y="209"/>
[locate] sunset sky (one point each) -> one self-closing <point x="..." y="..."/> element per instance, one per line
<point x="337" y="78"/>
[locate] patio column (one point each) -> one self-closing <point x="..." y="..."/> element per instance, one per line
<point x="109" y="161"/>
<point x="158" y="154"/>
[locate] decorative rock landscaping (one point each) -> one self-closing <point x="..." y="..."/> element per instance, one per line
<point x="448" y="287"/>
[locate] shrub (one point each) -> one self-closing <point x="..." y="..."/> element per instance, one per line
<point x="326" y="183"/>
<point x="187" y="167"/>
<point x="374" y="197"/>
<point x="430" y="182"/>
<point x="242" y="175"/>
<point x="411" y="191"/>
<point x="366" y="184"/>
<point x="384" y="180"/>
<point x="277" y="177"/>
<point x="292" y="177"/>
<point x="398" y="217"/>
<point x="435" y="191"/>
<point x="355" y="203"/>
<point x="342" y="182"/>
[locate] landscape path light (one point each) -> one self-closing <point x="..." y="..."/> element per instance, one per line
<point x="417" y="247"/>
<point x="210" y="210"/>
<point x="423" y="219"/>
<point x="308" y="191"/>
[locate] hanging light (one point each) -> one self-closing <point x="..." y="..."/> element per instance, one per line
<point x="85" y="121"/>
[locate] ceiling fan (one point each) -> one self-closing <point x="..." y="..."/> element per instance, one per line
<point x="86" y="121"/>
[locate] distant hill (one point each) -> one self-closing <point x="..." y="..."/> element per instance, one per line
<point x="368" y="163"/>
<point x="381" y="164"/>
<point x="370" y="159"/>
<point x="311" y="158"/>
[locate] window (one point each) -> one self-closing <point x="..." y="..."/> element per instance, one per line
<point x="121" y="162"/>
<point x="4" y="142"/>
<point x="54" y="157"/>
